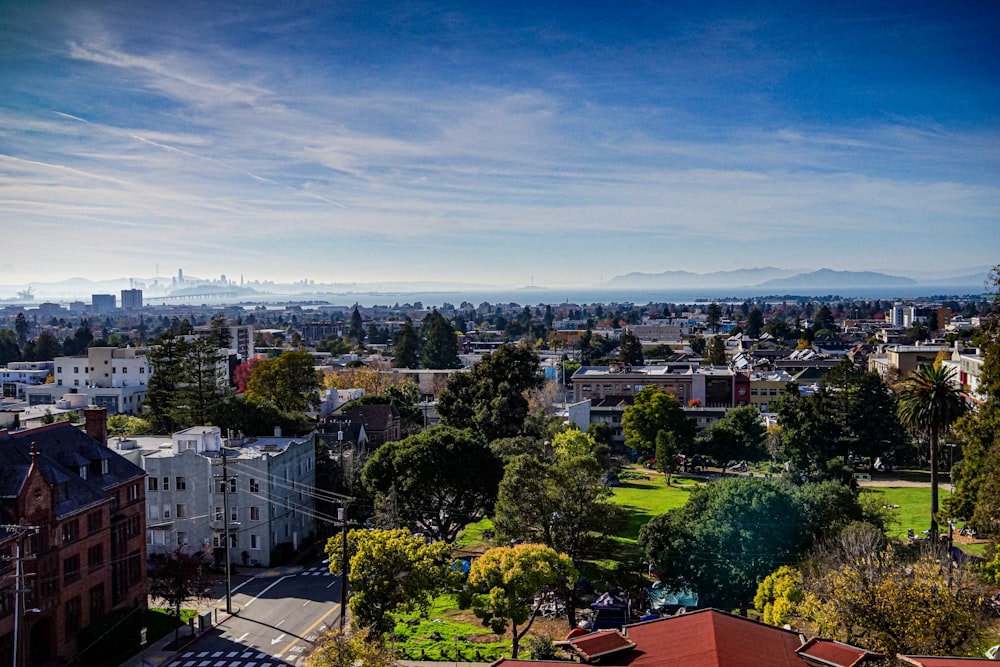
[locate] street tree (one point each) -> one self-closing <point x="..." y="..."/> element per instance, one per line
<point x="177" y="578"/>
<point x="167" y="357"/>
<point x="443" y="478"/>
<point x="929" y="403"/>
<point x="655" y="410"/>
<point x="204" y="382"/>
<point x="389" y="572"/>
<point x="506" y="585"/>
<point x="290" y="383"/>
<point x="357" y="648"/>
<point x="491" y="397"/>
<point x="440" y="344"/>
<point x="9" y="349"/>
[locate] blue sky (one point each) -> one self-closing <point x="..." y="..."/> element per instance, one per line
<point x="495" y="143"/>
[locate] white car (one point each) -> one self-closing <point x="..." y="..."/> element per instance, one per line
<point x="993" y="653"/>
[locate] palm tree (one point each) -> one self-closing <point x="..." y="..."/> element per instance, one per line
<point x="929" y="403"/>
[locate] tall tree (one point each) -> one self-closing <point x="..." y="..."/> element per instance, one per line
<point x="221" y="334"/>
<point x="204" y="383"/>
<point x="655" y="410"/>
<point x="507" y="583"/>
<point x="929" y="403"/>
<point x="443" y="479"/>
<point x="713" y="317"/>
<point x="491" y="397"/>
<point x="406" y="345"/>
<point x="440" y="349"/>
<point x="356" y="329"/>
<point x="755" y="323"/>
<point x="9" y="349"/>
<point x="716" y="352"/>
<point x="166" y="359"/>
<point x="630" y="350"/>
<point x="22" y="329"/>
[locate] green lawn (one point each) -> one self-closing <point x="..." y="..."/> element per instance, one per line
<point x="645" y="498"/>
<point x="475" y="534"/>
<point x="914" y="511"/>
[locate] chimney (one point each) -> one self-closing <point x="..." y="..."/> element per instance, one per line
<point x="96" y="424"/>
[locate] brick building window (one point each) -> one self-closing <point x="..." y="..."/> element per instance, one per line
<point x="72" y="615"/>
<point x="153" y="483"/>
<point x="70" y="531"/>
<point x="95" y="557"/>
<point x="95" y="521"/>
<point x="96" y="602"/>
<point x="71" y="569"/>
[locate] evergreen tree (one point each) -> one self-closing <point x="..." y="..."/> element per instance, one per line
<point x="713" y="317"/>
<point x="405" y="346"/>
<point x="716" y="352"/>
<point x="755" y="323"/>
<point x="356" y="330"/>
<point x="630" y="351"/>
<point x="440" y="343"/>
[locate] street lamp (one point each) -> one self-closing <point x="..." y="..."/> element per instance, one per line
<point x="951" y="465"/>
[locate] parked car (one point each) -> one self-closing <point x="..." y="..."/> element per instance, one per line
<point x="993" y="653"/>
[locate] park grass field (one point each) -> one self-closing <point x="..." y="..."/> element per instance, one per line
<point x="642" y="499"/>
<point x="914" y="511"/>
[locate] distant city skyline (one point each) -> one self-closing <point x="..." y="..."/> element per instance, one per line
<point x="499" y="144"/>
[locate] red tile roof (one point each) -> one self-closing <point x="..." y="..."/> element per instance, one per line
<point x="602" y="643"/>
<point x="835" y="654"/>
<point x="709" y="638"/>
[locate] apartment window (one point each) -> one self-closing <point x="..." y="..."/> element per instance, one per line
<point x="233" y="543"/>
<point x="153" y="511"/>
<point x="133" y="492"/>
<point x="166" y="483"/>
<point x="166" y="511"/>
<point x="232" y="486"/>
<point x="96" y="602"/>
<point x="219" y="514"/>
<point x="255" y="513"/>
<point x="217" y="541"/>
<point x="156" y="537"/>
<point x="95" y="521"/>
<point x="254" y="541"/>
<point x="71" y="569"/>
<point x="132" y="527"/>
<point x="180" y="483"/>
<point x="181" y="511"/>
<point x="72" y="615"/>
<point x="254" y="486"/>
<point x="104" y="470"/>
<point x="234" y="514"/>
<point x="58" y="369"/>
<point x="76" y="369"/>
<point x="95" y="557"/>
<point x="182" y="538"/>
<point x="153" y="483"/>
<point x="71" y="531"/>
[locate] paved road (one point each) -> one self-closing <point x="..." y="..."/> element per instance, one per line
<point x="277" y="621"/>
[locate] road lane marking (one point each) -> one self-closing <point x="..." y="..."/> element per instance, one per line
<point x="243" y="636"/>
<point x="275" y="641"/>
<point x="264" y="591"/>
<point x="306" y="602"/>
<point x="310" y="628"/>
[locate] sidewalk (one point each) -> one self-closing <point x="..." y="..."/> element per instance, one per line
<point x="157" y="654"/>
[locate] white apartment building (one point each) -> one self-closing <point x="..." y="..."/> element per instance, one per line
<point x="268" y="503"/>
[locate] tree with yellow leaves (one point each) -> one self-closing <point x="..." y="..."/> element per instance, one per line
<point x="337" y="649"/>
<point x="505" y="586"/>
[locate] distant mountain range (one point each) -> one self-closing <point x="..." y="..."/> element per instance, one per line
<point x="771" y="279"/>
<point x="760" y="281"/>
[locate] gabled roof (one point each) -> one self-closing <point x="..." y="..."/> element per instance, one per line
<point x="373" y="416"/>
<point x="62" y="450"/>
<point x="710" y="638"/>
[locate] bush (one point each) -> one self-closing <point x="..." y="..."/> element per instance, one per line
<point x="540" y="648"/>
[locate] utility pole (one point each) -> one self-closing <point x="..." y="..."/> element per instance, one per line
<point x="225" y="477"/>
<point x="342" y="515"/>
<point x="19" y="587"/>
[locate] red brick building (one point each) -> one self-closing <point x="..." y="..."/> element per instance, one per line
<point x="88" y="556"/>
